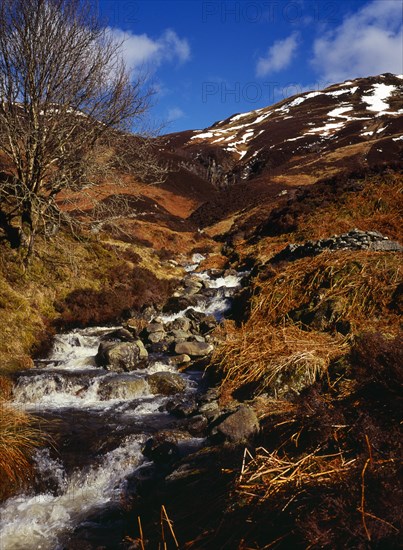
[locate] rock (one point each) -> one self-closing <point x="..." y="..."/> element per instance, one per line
<point x="181" y="323"/>
<point x="156" y="337"/>
<point x="208" y="324"/>
<point x="180" y="359"/>
<point x="123" y="386"/>
<point x="166" y="383"/>
<point x="240" y="426"/>
<point x="162" y="449"/>
<point x="197" y="425"/>
<point x="182" y="406"/>
<point x="121" y="357"/>
<point x="198" y="338"/>
<point x="353" y="240"/>
<point x="386" y="246"/>
<point x="196" y="316"/>
<point x="194" y="349"/>
<point x="180" y="335"/>
<point x="121" y="334"/>
<point x="160" y="347"/>
<point x="154" y="327"/>
<point x="179" y="303"/>
<point x="211" y="410"/>
<point x="193" y="286"/>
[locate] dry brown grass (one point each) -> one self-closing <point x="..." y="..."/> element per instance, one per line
<point x="362" y="283"/>
<point x="279" y="360"/>
<point x="18" y="440"/>
<point x="268" y="473"/>
<point x="270" y="352"/>
<point x="379" y="206"/>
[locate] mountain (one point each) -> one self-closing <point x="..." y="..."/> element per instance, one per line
<point x="346" y="127"/>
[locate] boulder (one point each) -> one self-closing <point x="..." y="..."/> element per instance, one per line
<point x="180" y="359"/>
<point x="180" y="335"/>
<point x="194" y="349"/>
<point x="166" y="383"/>
<point x="156" y="337"/>
<point x="154" y="327"/>
<point x="198" y="338"/>
<point x="193" y="286"/>
<point x="182" y="406"/>
<point x="196" y="316"/>
<point x="120" y="334"/>
<point x="123" y="386"/>
<point x="208" y="324"/>
<point x="240" y="426"/>
<point x="122" y="356"/>
<point x="181" y="323"/>
<point x="162" y="449"/>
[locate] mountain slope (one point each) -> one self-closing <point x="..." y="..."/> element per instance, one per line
<point x="350" y="126"/>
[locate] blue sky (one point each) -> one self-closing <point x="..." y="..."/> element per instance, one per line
<point x="209" y="59"/>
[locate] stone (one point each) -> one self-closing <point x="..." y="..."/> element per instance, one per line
<point x="196" y="316"/>
<point x="123" y="386"/>
<point x="182" y="406"/>
<point x="180" y="335"/>
<point x="162" y="449"/>
<point x="386" y="246"/>
<point x="180" y="359"/>
<point x="156" y="337"/>
<point x="155" y="327"/>
<point x="198" y="338"/>
<point x="208" y="324"/>
<point x="194" y="349"/>
<point x="122" y="357"/>
<point x="179" y="303"/>
<point x="181" y="323"/>
<point x="120" y="334"/>
<point x="353" y="240"/>
<point x="240" y="426"/>
<point x="193" y="286"/>
<point x="166" y="383"/>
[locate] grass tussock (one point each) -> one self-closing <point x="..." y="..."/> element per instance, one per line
<point x="302" y="316"/>
<point x="281" y="361"/>
<point x="359" y="286"/>
<point x="18" y="440"/>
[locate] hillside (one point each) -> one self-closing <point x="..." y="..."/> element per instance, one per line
<point x="315" y="135"/>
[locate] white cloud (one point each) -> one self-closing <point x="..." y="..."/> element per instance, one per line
<point x="278" y="57"/>
<point x="368" y="42"/>
<point x="174" y="114"/>
<point x="140" y="49"/>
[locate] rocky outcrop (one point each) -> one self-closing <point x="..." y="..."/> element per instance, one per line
<point x="353" y="240"/>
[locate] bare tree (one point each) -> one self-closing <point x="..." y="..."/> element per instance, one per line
<point x="63" y="87"/>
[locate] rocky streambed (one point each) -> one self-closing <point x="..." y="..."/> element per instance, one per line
<point x="124" y="405"/>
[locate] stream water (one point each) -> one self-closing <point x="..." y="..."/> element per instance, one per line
<point x="99" y="421"/>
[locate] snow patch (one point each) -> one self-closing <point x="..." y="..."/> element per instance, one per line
<point x="375" y="101"/>
<point x="343" y="91"/>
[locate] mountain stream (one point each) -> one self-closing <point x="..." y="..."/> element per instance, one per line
<point x="99" y="421"/>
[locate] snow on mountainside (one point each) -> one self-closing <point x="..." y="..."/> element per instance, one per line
<point x="350" y="125"/>
<point x="347" y="103"/>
